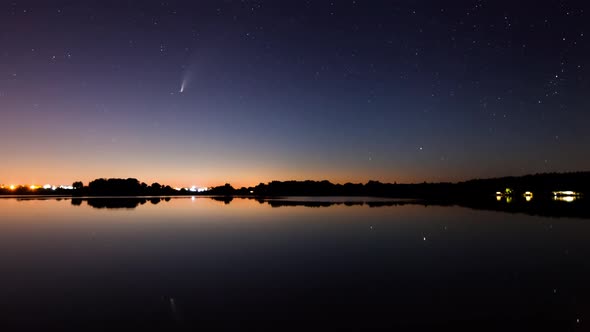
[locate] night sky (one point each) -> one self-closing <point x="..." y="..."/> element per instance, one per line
<point x="405" y="91"/>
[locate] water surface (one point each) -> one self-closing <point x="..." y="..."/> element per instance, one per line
<point x="235" y="264"/>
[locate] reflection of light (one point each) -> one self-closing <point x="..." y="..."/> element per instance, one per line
<point x="508" y="199"/>
<point x="192" y="198"/>
<point x="499" y="198"/>
<point x="568" y="199"/>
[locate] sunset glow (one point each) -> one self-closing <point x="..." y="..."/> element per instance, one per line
<point x="404" y="94"/>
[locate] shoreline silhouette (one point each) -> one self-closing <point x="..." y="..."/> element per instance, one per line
<point x="538" y="187"/>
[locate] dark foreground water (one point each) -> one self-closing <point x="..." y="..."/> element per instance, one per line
<point x="188" y="264"/>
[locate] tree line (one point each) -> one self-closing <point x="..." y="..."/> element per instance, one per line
<point x="542" y="185"/>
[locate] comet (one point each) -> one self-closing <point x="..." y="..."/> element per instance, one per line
<point x="182" y="86"/>
<point x="186" y="79"/>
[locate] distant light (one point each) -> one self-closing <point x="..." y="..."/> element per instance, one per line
<point x="193" y="189"/>
<point x="499" y="198"/>
<point x="565" y="193"/>
<point x="202" y="189"/>
<point x="33" y="187"/>
<point x="178" y="189"/>
<point x="528" y="196"/>
<point x="47" y="186"/>
<point x="498" y="193"/>
<point x="251" y="191"/>
<point x="12" y="187"/>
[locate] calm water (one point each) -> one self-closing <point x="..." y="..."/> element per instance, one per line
<point x="191" y="263"/>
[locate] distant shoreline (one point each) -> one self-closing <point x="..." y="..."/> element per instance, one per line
<point x="536" y="187"/>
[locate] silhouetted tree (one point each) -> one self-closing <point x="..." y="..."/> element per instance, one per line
<point x="225" y="190"/>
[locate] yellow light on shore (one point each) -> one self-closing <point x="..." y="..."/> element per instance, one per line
<point x="528" y="196"/>
<point x="565" y="193"/>
<point x="12" y="187"/>
<point x="33" y="187"/>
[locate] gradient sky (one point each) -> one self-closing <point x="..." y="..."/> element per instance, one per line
<point x="405" y="91"/>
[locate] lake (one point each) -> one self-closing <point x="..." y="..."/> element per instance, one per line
<point x="188" y="263"/>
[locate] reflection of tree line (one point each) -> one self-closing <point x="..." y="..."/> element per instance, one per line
<point x="118" y="203"/>
<point x="546" y="208"/>
<point x="578" y="209"/>
<point x="134" y="202"/>
<point x="317" y="204"/>
<point x="312" y="203"/>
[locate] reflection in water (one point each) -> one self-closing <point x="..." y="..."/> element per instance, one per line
<point x="186" y="264"/>
<point x="568" y="199"/>
<point x="317" y="204"/>
<point x="225" y="199"/>
<point x="117" y="202"/>
<point x="554" y="207"/>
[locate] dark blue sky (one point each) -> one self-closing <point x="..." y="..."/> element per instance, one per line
<point x="405" y="91"/>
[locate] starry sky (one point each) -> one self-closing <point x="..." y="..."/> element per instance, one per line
<point x="208" y="92"/>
